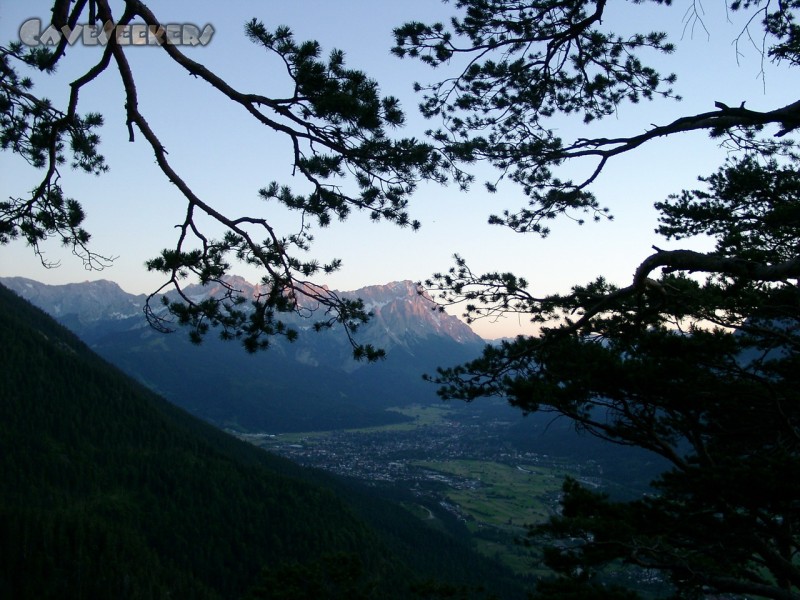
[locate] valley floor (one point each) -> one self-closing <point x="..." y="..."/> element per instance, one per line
<point x="458" y="469"/>
<point x="453" y="468"/>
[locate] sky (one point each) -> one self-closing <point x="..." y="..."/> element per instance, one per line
<point x="220" y="152"/>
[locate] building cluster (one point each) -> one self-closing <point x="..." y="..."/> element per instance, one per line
<point x="393" y="454"/>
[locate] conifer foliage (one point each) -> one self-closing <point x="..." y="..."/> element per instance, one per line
<point x="696" y="358"/>
<point x="335" y="119"/>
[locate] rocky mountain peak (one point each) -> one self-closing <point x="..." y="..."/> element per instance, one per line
<point x="402" y="310"/>
<point x="379" y="295"/>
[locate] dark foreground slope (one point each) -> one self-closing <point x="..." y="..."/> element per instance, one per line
<point x="109" y="491"/>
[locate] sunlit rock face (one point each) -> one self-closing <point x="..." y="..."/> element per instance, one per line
<point x="401" y="314"/>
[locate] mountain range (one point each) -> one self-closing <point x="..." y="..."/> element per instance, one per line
<point x="311" y="384"/>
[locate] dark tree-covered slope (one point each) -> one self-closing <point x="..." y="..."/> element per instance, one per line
<point x="109" y="491"/>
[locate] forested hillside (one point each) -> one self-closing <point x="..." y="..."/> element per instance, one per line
<point x="110" y="492"/>
<point x="311" y="384"/>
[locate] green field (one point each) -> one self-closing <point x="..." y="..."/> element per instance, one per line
<point x="500" y="501"/>
<point x="422" y="416"/>
<point x="503" y="496"/>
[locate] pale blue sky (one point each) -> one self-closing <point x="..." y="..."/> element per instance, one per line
<point x="220" y="152"/>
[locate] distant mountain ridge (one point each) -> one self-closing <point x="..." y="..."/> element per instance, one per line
<point x="399" y="310"/>
<point x="90" y="300"/>
<point x="310" y="384"/>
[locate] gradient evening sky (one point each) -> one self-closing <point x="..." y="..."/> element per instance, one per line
<point x="226" y="157"/>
